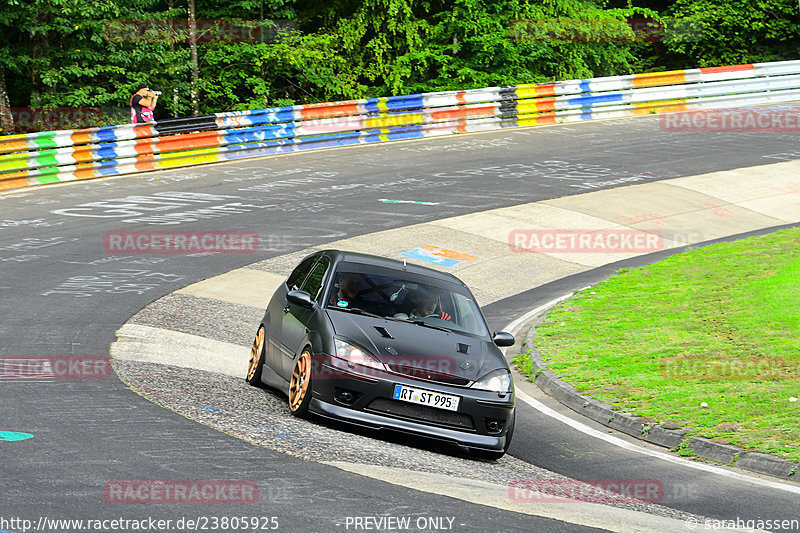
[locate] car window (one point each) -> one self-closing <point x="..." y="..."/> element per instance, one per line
<point x="297" y="276"/>
<point x="365" y="291"/>
<point x="466" y="313"/>
<point x="313" y="284"/>
<point x="401" y="295"/>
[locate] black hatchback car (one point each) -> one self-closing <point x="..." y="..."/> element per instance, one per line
<point x="388" y="345"/>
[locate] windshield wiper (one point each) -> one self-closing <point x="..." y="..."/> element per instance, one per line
<point x="394" y="318"/>
<point x="421" y="323"/>
<point x="357" y="311"/>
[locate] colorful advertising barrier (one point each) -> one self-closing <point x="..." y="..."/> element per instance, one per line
<point x="57" y="156"/>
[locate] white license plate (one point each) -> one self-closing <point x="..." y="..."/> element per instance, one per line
<point x="426" y="397"/>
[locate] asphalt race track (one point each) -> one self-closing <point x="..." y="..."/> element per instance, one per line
<point x="63" y="294"/>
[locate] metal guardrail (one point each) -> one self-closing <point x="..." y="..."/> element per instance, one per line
<point x="49" y="157"/>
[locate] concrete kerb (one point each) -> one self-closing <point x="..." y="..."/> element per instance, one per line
<point x="674" y="439"/>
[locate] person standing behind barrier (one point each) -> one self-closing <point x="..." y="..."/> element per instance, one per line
<point x="143" y="102"/>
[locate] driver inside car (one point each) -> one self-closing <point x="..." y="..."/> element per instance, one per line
<point x="425" y="306"/>
<point x="349" y="286"/>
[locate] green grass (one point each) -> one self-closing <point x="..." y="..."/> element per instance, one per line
<point x="719" y="325"/>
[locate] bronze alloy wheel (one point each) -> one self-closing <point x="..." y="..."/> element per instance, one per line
<point x="256" y="358"/>
<point x="299" y="385"/>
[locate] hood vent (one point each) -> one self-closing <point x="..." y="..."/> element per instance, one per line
<point x="385" y="334"/>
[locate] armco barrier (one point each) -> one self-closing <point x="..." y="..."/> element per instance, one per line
<point x="57" y="156"/>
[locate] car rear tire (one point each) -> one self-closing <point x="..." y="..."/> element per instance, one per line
<point x="256" y="364"/>
<point x="300" y="385"/>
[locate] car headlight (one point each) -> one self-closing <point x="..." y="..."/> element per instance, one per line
<point x="356" y="356"/>
<point x="498" y="381"/>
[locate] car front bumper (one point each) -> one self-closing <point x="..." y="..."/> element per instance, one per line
<point x="366" y="399"/>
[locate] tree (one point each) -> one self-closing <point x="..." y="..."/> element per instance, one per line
<point x="382" y="47"/>
<point x="250" y="54"/>
<point x="506" y="42"/>
<point x="8" y="20"/>
<point x="237" y="37"/>
<point x="717" y="32"/>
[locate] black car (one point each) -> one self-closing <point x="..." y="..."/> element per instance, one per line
<point x="388" y="345"/>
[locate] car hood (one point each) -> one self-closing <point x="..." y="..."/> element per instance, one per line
<point x="418" y="351"/>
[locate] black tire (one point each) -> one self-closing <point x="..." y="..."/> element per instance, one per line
<point x="300" y="385"/>
<point x="510" y="432"/>
<point x="256" y="365"/>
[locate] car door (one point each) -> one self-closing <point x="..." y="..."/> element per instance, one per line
<point x="296" y="318"/>
<point x="277" y="305"/>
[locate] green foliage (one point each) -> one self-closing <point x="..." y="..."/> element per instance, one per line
<point x="524" y="364"/>
<point x="307" y="68"/>
<point x="717" y="32"/>
<point x="91" y="53"/>
<point x="67" y="53"/>
<point x="237" y="71"/>
<point x="388" y="47"/>
<point x="683" y="448"/>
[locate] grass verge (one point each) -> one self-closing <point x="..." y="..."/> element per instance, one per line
<point x="707" y="340"/>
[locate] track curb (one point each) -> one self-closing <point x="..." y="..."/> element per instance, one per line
<point x="674" y="439"/>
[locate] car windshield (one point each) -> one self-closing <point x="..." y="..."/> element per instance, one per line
<point x="398" y="295"/>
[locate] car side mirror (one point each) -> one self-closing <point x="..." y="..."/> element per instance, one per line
<point x="301" y="298"/>
<point x="502" y="339"/>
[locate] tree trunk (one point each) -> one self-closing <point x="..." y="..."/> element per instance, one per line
<point x="6" y="119"/>
<point x="36" y="80"/>
<point x="195" y="68"/>
<point x="261" y="23"/>
<point x="172" y="38"/>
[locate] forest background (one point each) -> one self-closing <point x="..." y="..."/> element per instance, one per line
<point x="226" y="55"/>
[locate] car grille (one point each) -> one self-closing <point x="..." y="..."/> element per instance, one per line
<point x="421" y="413"/>
<point x="425" y="374"/>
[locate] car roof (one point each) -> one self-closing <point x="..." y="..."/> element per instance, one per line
<point x="385" y="262"/>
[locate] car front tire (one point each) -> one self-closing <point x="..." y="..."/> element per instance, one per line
<point x="300" y="385"/>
